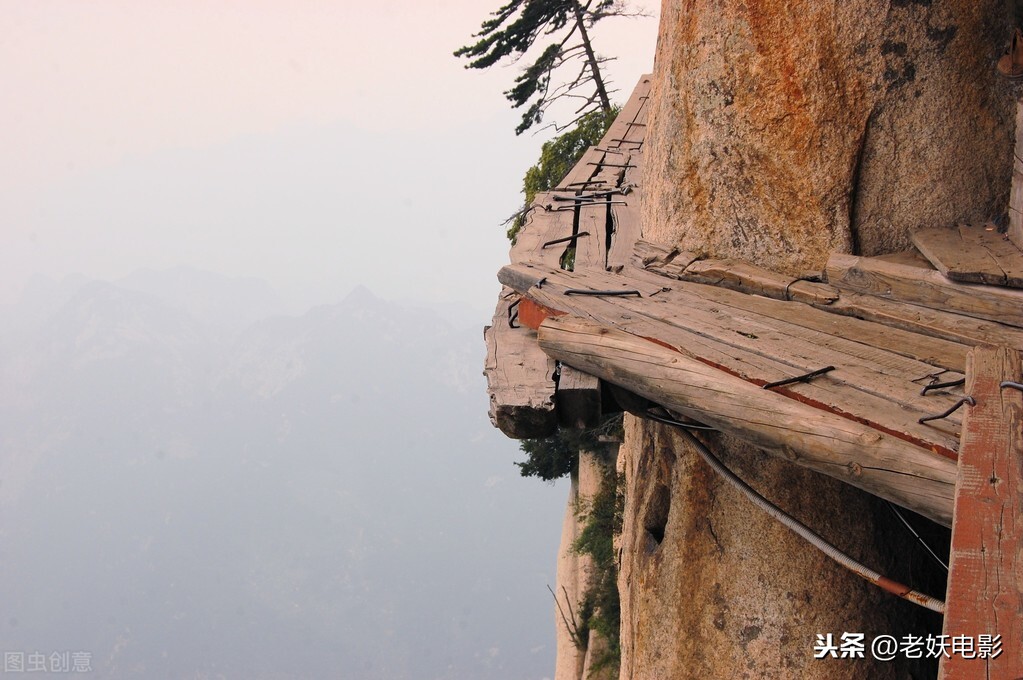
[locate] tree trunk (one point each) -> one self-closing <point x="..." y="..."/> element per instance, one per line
<point x="591" y="58"/>
<point x="779" y="132"/>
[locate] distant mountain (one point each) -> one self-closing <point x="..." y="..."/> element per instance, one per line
<point x="305" y="496"/>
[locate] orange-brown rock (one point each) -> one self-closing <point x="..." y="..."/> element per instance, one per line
<point x="783" y="130"/>
<point x="779" y="132"/>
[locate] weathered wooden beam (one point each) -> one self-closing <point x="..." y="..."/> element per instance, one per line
<point x="577" y="399"/>
<point x="730" y="273"/>
<point x="891" y="281"/>
<point x="543" y="225"/>
<point x="749" y="278"/>
<point x="949" y="354"/>
<point x="868" y="385"/>
<point x="936" y="323"/>
<point x="659" y="259"/>
<point x="520" y="377"/>
<point x="972" y="254"/>
<point x="1016" y="189"/>
<point x="985" y="585"/>
<point x="841" y="448"/>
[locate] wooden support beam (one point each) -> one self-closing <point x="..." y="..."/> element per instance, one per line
<point x="841" y="448"/>
<point x="520" y="377"/>
<point x="730" y="273"/>
<point x="1016" y="189"/>
<point x="659" y="259"/>
<point x="972" y="254"/>
<point x="578" y="399"/>
<point x="926" y="288"/>
<point x="749" y="278"/>
<point x="871" y="386"/>
<point x="935" y="323"/>
<point x="985" y="585"/>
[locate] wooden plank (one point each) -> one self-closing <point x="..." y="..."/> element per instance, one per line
<point x="931" y="350"/>
<point x="626" y="226"/>
<point x="624" y="130"/>
<point x="578" y="399"/>
<point x="592" y="252"/>
<point x="972" y="254"/>
<point x="838" y="447"/>
<point x="1016" y="189"/>
<point x="543" y="225"/>
<point x="892" y="281"/>
<point x="719" y="344"/>
<point x="925" y="321"/>
<point x="520" y="377"/>
<point x="749" y="278"/>
<point x="654" y="257"/>
<point x="985" y="585"/>
<point x="796" y="349"/>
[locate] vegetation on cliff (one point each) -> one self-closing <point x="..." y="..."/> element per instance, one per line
<point x="557" y="157"/>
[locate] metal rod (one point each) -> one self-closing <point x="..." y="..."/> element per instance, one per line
<point x="1013" y="385"/>
<point x="586" y="205"/>
<point x="619" y="293"/>
<point x="565" y="239"/>
<point x="513" y="313"/>
<point x="952" y="409"/>
<point x="585" y="197"/>
<point x="941" y="385"/>
<point x="806" y="377"/>
<point x="678" y="423"/>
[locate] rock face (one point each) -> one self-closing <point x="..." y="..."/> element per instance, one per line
<point x="573" y="577"/>
<point x="782" y="131"/>
<point x="712" y="587"/>
<point x="779" y="132"/>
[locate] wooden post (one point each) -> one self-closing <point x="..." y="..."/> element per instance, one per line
<point x="577" y="399"/>
<point x="985" y="586"/>
<point x="1016" y="190"/>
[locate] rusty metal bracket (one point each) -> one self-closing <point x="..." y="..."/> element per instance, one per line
<point x="941" y="385"/>
<point x="600" y="293"/>
<point x="952" y="409"/>
<point x="566" y="239"/>
<point x="806" y="377"/>
<point x="513" y="313"/>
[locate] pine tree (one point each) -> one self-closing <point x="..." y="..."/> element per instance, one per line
<point x="519" y="25"/>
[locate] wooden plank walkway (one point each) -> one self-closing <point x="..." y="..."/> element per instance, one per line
<point x="588" y="222"/>
<point x="711" y="339"/>
<point x="985" y="587"/>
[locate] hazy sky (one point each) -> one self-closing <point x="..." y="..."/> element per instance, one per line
<point x="314" y="144"/>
